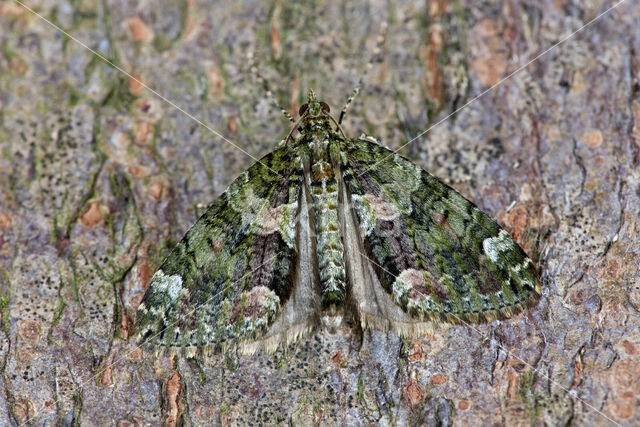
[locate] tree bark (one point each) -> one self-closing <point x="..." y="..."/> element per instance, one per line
<point x="100" y="177"/>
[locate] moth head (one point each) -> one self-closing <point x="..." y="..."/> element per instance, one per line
<point x="313" y="107"/>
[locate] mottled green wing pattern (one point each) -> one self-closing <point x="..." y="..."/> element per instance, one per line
<point x="229" y="277"/>
<point x="343" y="230"/>
<point x="436" y="255"/>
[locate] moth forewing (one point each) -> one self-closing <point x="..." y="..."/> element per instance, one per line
<point x="302" y="312"/>
<point x="371" y="304"/>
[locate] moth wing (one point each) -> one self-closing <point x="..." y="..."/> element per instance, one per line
<point x="229" y="279"/>
<point x="427" y="248"/>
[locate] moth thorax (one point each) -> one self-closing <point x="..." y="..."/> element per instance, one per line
<point x="332" y="317"/>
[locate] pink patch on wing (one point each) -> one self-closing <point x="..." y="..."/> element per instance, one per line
<point x="271" y="220"/>
<point x="415" y="279"/>
<point x="253" y="307"/>
<point x="383" y="209"/>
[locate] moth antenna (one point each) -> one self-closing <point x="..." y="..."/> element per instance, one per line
<point x="376" y="57"/>
<point x="265" y="84"/>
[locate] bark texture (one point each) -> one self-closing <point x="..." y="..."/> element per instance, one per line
<point x="100" y="177"/>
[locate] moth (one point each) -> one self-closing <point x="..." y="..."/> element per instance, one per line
<point x="330" y="230"/>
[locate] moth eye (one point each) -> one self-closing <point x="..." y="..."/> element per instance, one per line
<point x="325" y="107"/>
<point x="303" y="109"/>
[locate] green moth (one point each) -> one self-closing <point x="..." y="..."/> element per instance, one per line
<point x="328" y="230"/>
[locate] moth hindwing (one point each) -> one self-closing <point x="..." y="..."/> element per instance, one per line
<point x="328" y="229"/>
